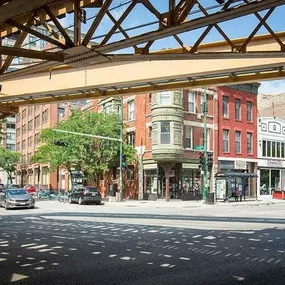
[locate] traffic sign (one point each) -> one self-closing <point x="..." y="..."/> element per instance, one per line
<point x="199" y="147"/>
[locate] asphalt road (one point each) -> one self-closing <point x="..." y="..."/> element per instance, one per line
<point x="49" y="249"/>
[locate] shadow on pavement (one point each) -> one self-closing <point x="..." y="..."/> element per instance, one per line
<point x="41" y="251"/>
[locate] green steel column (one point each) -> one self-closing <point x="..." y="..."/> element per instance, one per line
<point x="205" y="172"/>
<point x="121" y="150"/>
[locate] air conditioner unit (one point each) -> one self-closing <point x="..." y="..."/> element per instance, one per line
<point x="199" y="116"/>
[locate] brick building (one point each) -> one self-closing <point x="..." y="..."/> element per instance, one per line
<point x="237" y="140"/>
<point x="165" y="128"/>
<point x="29" y="122"/>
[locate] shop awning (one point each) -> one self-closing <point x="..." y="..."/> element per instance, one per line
<point x="236" y="175"/>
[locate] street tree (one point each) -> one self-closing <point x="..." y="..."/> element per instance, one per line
<point x="91" y="155"/>
<point x="8" y="161"/>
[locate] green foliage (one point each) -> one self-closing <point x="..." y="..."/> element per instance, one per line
<point x="88" y="154"/>
<point x="8" y="161"/>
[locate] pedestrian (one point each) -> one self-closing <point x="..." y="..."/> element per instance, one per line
<point x="196" y="190"/>
<point x="237" y="194"/>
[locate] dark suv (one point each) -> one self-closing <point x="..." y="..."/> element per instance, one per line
<point x="85" y="195"/>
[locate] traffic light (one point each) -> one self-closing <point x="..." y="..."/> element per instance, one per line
<point x="61" y="143"/>
<point x="210" y="159"/>
<point x="124" y="162"/>
<point x="201" y="160"/>
<point x="83" y="16"/>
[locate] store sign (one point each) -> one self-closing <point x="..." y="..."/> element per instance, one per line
<point x="240" y="165"/>
<point x="190" y="166"/>
<point x="150" y="166"/>
<point x="274" y="163"/>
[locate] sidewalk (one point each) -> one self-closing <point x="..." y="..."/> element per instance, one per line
<point x="161" y="203"/>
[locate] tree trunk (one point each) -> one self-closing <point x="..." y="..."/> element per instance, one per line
<point x="10" y="177"/>
<point x="71" y="180"/>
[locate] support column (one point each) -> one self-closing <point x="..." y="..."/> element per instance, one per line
<point x="167" y="167"/>
<point x="77" y="24"/>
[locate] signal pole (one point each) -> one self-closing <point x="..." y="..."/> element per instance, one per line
<point x="205" y="165"/>
<point x="121" y="150"/>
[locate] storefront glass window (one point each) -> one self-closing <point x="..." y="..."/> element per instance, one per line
<point x="264" y="181"/>
<point x="282" y="150"/>
<point x="275" y="179"/>
<point x="268" y="148"/>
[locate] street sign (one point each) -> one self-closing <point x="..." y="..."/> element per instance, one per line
<point x="199" y="147"/>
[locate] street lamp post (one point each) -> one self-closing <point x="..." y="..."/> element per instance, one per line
<point x="205" y="172"/>
<point x="121" y="150"/>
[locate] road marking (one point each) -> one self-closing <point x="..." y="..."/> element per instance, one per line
<point x="17" y="277"/>
<point x="145" y="252"/>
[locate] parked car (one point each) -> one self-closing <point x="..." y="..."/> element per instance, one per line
<point x="85" y="195"/>
<point x="16" y="198"/>
<point x="31" y="189"/>
<point x="12" y="186"/>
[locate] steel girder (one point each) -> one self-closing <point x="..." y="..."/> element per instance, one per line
<point x="22" y="16"/>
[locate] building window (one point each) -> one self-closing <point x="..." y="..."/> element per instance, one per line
<point x="131" y="110"/>
<point x="165" y="98"/>
<point x="108" y="109"/>
<point x="30" y="110"/>
<point x="30" y="141"/>
<point x="268" y="151"/>
<point x="30" y="125"/>
<point x="273" y="149"/>
<point x="10" y="136"/>
<point x="237" y="142"/>
<point x="249" y="111"/>
<point x="225" y="106"/>
<point x="37" y="121"/>
<point x="237" y="109"/>
<point x="32" y="41"/>
<point x="23" y="144"/>
<point x="150" y="132"/>
<point x="45" y="116"/>
<point x="191" y="102"/>
<point x="165" y="133"/>
<point x="282" y="150"/>
<point x="264" y="148"/>
<point x="278" y="149"/>
<point x="10" y="125"/>
<point x="249" y="143"/>
<point x="225" y="140"/>
<point x="189" y="137"/>
<point x="18" y="132"/>
<point x="10" y="146"/>
<point x="36" y="138"/>
<point x="131" y="139"/>
<point x="24" y="114"/>
<point x="24" y="129"/>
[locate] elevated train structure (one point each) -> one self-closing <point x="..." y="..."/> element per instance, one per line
<point x="76" y="68"/>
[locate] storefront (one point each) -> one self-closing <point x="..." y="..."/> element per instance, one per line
<point x="271" y="176"/>
<point x="181" y="180"/>
<point x="235" y="175"/>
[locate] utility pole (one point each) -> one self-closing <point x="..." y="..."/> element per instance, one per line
<point x="205" y="165"/>
<point x="121" y="149"/>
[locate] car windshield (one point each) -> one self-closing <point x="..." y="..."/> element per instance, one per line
<point x="91" y="189"/>
<point x="17" y="192"/>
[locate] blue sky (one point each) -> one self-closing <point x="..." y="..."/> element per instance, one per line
<point x="238" y="28"/>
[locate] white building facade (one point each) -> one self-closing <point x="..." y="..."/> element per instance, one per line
<point x="271" y="155"/>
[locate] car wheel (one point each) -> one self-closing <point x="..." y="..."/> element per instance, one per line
<point x="32" y="207"/>
<point x="6" y="206"/>
<point x="98" y="202"/>
<point x="69" y="200"/>
<point x="80" y="202"/>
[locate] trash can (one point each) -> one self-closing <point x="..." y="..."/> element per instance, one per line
<point x="211" y="198"/>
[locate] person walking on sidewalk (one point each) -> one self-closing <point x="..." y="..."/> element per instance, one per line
<point x="237" y="194"/>
<point x="196" y="191"/>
